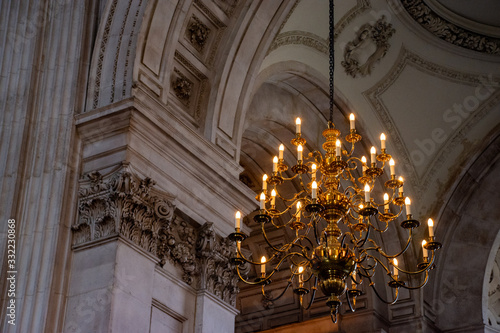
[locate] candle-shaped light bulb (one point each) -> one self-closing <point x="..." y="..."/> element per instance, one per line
<point x="430" y="223"/>
<point x="299" y="152"/>
<point x="301" y="269"/>
<point x="264" y="183"/>
<point x="408" y="204"/>
<point x="262" y="201"/>
<point x="237" y="220"/>
<point x="401" y="188"/>
<point x="281" y="150"/>
<point x="297" y="126"/>
<point x="298" y="210"/>
<point x="424" y="250"/>
<point x="337" y="148"/>
<point x="373" y="152"/>
<point x="393" y="168"/>
<point x="386" y="201"/>
<point x="351" y="121"/>
<point x="273" y="197"/>
<point x="314" y="188"/>
<point x="275" y="164"/>
<point x="263" y="265"/>
<point x="313" y="170"/>
<point x="363" y="160"/>
<point x="382" y="141"/>
<point x="367" y="193"/>
<point x="395" y="263"/>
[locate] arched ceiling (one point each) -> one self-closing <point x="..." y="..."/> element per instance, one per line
<point x="438" y="103"/>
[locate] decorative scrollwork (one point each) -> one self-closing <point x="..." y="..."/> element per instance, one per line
<point x="371" y="45"/>
<point x="448" y="31"/>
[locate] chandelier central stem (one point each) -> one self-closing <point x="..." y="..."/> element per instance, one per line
<point x="332" y="61"/>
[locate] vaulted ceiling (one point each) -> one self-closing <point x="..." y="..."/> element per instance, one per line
<point x="430" y="84"/>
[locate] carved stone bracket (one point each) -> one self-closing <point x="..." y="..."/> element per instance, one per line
<point x="124" y="205"/>
<point x="369" y="46"/>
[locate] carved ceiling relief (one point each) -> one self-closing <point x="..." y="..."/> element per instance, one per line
<point x="448" y="31"/>
<point x="197" y="33"/>
<point x="124" y="205"/>
<point x="182" y="87"/>
<point x="369" y="46"/>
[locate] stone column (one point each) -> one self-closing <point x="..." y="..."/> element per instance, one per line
<point x="41" y="47"/>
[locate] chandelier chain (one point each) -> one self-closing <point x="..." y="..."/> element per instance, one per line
<point x="331" y="55"/>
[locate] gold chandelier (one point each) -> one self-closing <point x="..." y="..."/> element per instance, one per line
<point x="332" y="216"/>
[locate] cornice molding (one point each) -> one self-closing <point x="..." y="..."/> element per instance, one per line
<point x="448" y="31"/>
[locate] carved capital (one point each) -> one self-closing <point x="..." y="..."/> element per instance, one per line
<point x="122" y="204"/>
<point x="218" y="274"/>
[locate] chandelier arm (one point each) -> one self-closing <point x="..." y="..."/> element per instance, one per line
<point x="363" y="241"/>
<point x="352" y="149"/>
<point x="362" y="257"/>
<point x="316" y="232"/>
<point x="288" y="178"/>
<point x="333" y="315"/>
<point x="353" y="309"/>
<point x="379" y="249"/>
<point x="275" y="269"/>
<point x="372" y="285"/>
<point x="271" y="245"/>
<point x="426" y="279"/>
<point x="277" y="226"/>
<point x="253" y="283"/>
<point x="293" y="200"/>
<point x="313" y="295"/>
<point x="377" y="229"/>
<point x="424" y="269"/>
<point x="369" y="267"/>
<point x="282" y="293"/>
<point x="307" y="239"/>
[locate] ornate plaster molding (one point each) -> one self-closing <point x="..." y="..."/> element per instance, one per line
<point x="373" y="95"/>
<point x="360" y="7"/>
<point x="197" y="33"/>
<point x="369" y="46"/>
<point x="297" y="37"/>
<point x="122" y="204"/>
<point x="448" y="31"/>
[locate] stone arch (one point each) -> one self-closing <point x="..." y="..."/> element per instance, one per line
<point x="236" y="80"/>
<point x="469" y="229"/>
<point x="114" y="48"/>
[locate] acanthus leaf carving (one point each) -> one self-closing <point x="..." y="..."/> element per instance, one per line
<point x="218" y="274"/>
<point x="123" y="205"/>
